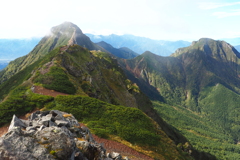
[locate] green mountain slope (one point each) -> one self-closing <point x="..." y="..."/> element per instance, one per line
<point x="203" y="79"/>
<point x="179" y="79"/>
<point x="216" y="128"/>
<point x="93" y="74"/>
<point x="90" y="74"/>
<point x="58" y="63"/>
<point x="158" y="77"/>
<point x="64" y="34"/>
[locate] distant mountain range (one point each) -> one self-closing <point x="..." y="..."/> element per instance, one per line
<point x="11" y="49"/>
<point x="140" y="44"/>
<point x="122" y="52"/>
<point x="237" y="48"/>
<point x="3" y="64"/>
<point x="232" y="41"/>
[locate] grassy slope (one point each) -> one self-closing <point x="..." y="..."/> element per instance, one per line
<point x="23" y="75"/>
<point x="215" y="129"/>
<point x="93" y="74"/>
<point x="130" y="124"/>
<point x="201" y="80"/>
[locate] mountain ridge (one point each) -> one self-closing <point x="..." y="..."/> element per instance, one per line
<point x="186" y="81"/>
<point x="123" y="52"/>
<point x="72" y="69"/>
<point x="64" y="34"/>
<point x="140" y="44"/>
<point x="84" y="76"/>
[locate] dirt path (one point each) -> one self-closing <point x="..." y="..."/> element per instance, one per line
<point x="3" y="130"/>
<point x="112" y="146"/>
<point x="48" y="92"/>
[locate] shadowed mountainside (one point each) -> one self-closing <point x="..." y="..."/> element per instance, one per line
<point x="202" y="78"/>
<point x="123" y="52"/>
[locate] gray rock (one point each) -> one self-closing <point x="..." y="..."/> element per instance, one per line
<point x="42" y="127"/>
<point x="16" y="122"/>
<point x="17" y="145"/>
<point x="61" y="123"/>
<point x="56" y="113"/>
<point x="51" y="123"/>
<point x="34" y="123"/>
<point x="115" y="155"/>
<point x="32" y="116"/>
<point x="44" y="113"/>
<point x="58" y="141"/>
<point x="30" y="128"/>
<point x="87" y="134"/>
<point x="82" y="144"/>
<point x="51" y="135"/>
<point x="26" y="122"/>
<point x="59" y="117"/>
<point x="45" y="120"/>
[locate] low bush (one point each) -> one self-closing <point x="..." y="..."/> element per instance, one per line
<point x="129" y="123"/>
<point x="56" y="79"/>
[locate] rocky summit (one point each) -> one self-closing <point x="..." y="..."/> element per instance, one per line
<point x="48" y="135"/>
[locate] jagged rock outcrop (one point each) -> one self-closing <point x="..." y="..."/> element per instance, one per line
<point x="49" y="135"/>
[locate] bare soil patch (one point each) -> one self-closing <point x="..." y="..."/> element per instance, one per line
<point x="48" y="92"/>
<point x="113" y="146"/>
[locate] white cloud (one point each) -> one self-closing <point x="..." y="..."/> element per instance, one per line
<point x="158" y="19"/>
<point x="212" y="5"/>
<point x="226" y="14"/>
<point x="232" y="34"/>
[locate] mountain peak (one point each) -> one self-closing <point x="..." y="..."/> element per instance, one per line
<point x="149" y="54"/>
<point x="216" y="49"/>
<point x="66" y="33"/>
<point x="67" y="29"/>
<point x="67" y="25"/>
<point x="124" y="53"/>
<point x="202" y="41"/>
<point x="71" y="32"/>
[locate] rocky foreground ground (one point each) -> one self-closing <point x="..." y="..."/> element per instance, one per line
<point x="50" y="135"/>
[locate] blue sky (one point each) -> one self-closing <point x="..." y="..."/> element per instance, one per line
<point x="156" y="19"/>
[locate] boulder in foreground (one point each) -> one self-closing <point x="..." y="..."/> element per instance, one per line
<point x="51" y="135"/>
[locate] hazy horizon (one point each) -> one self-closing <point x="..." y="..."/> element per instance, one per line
<point x="155" y="19"/>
